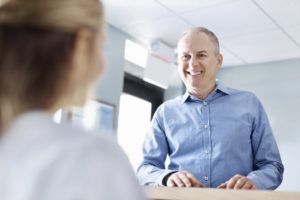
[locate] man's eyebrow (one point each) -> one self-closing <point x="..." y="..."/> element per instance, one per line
<point x="202" y="51"/>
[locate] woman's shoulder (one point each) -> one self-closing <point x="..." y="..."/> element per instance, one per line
<point x="36" y="131"/>
<point x="90" y="162"/>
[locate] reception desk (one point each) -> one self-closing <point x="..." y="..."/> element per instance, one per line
<point x="166" y="193"/>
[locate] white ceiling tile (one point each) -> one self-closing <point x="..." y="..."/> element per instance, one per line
<point x="167" y="30"/>
<point x="180" y="6"/>
<point x="294" y="32"/>
<point x="231" y="19"/>
<point x="285" y="12"/>
<point x="240" y="24"/>
<point x="123" y="13"/>
<point x="263" y="47"/>
<point x="229" y="60"/>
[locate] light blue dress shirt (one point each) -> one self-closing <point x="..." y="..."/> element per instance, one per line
<point x="226" y="134"/>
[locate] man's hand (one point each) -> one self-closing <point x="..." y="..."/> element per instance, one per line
<point x="183" y="179"/>
<point x="238" y="182"/>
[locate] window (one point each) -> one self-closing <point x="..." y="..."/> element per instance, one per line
<point x="136" y="53"/>
<point x="138" y="103"/>
<point x="134" y="118"/>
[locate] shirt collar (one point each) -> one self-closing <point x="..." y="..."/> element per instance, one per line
<point x="222" y="88"/>
<point x="219" y="88"/>
<point x="185" y="97"/>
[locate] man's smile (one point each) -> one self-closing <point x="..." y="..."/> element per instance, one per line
<point x="194" y="73"/>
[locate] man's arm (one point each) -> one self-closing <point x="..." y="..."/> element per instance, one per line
<point x="155" y="150"/>
<point x="267" y="165"/>
<point x="268" y="168"/>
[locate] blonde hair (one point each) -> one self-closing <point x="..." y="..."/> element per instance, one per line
<point x="36" y="44"/>
<point x="67" y="15"/>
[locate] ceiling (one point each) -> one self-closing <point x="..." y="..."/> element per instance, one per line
<point x="250" y="31"/>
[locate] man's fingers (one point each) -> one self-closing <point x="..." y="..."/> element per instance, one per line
<point x="185" y="179"/>
<point x="194" y="181"/>
<point x="178" y="181"/>
<point x="250" y="187"/>
<point x="171" y="183"/>
<point x="253" y="187"/>
<point x="231" y="183"/>
<point x="222" y="186"/>
<point x="240" y="183"/>
<point x="247" y="186"/>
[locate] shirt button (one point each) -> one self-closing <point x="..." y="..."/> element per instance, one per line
<point x="205" y="126"/>
<point x="205" y="103"/>
<point x="206" y="151"/>
<point x="206" y="178"/>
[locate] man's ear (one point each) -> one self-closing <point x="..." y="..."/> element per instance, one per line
<point x="220" y="60"/>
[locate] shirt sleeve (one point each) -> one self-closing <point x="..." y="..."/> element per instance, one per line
<point x="155" y="149"/>
<point x="268" y="168"/>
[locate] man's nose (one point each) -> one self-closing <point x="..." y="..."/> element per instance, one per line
<point x="192" y="62"/>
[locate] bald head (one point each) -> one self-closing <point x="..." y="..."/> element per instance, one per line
<point x="213" y="38"/>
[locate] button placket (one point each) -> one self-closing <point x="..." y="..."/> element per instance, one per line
<point x="206" y="142"/>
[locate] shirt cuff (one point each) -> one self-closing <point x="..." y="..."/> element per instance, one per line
<point x="256" y="180"/>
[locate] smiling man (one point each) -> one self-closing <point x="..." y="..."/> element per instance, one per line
<point x="214" y="136"/>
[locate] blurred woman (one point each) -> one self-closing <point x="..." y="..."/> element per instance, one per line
<point x="50" y="55"/>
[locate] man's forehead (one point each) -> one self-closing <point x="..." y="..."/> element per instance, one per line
<point x="194" y="41"/>
<point x="193" y="37"/>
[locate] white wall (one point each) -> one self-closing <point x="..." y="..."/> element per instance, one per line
<point x="176" y="86"/>
<point x="110" y="85"/>
<point x="278" y="87"/>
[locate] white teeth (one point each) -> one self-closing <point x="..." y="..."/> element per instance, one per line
<point x="194" y="73"/>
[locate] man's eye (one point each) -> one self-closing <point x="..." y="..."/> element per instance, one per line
<point x="202" y="55"/>
<point x="185" y="57"/>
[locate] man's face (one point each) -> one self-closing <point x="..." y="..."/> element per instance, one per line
<point x="198" y="61"/>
